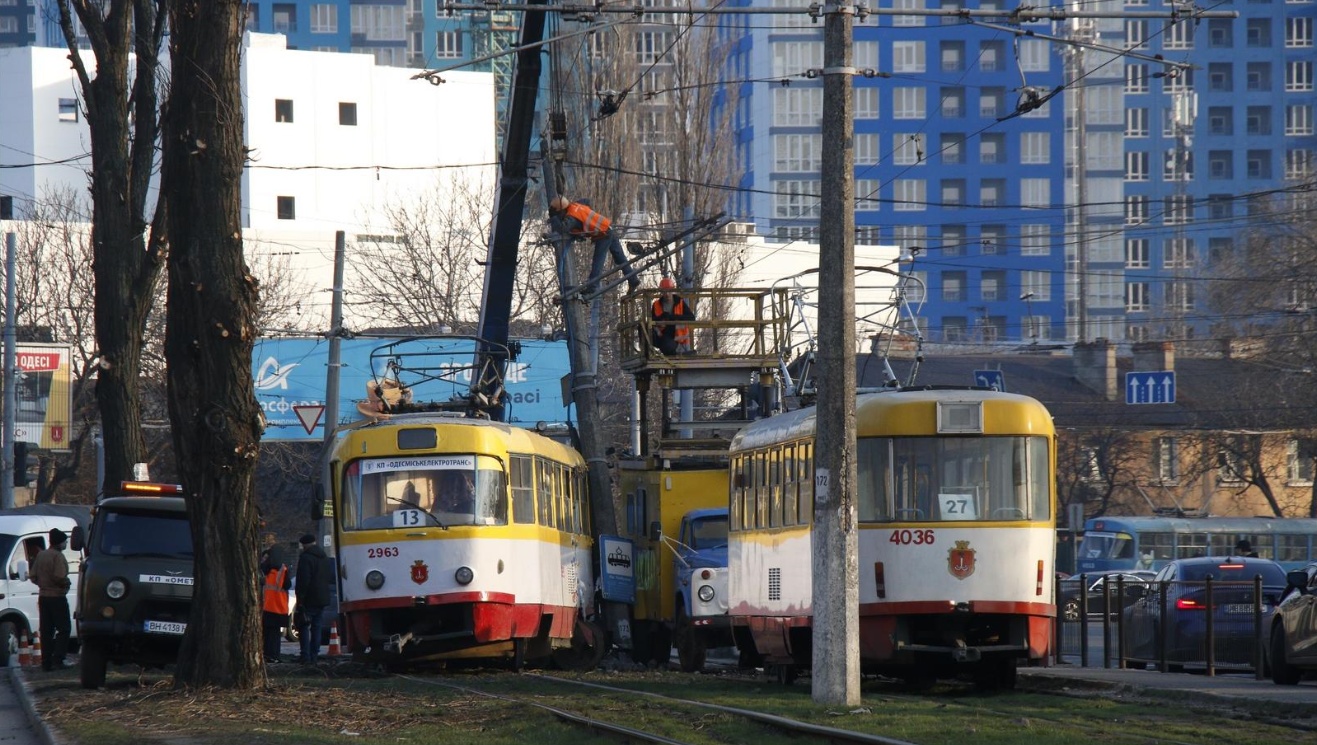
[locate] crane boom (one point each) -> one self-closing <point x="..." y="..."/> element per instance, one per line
<point x="501" y="263"/>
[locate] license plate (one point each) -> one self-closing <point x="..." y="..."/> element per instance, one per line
<point x="165" y="627"/>
<point x="1241" y="608"/>
<point x="164" y="579"/>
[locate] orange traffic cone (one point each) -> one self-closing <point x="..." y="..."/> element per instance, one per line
<point x="24" y="651"/>
<point x="36" y="650"/>
<point x="334" y="649"/>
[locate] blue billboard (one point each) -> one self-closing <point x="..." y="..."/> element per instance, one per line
<point x="290" y="377"/>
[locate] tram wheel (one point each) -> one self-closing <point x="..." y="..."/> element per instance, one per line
<point x="691" y="647"/>
<point x="589" y="642"/>
<point x="783" y="674"/>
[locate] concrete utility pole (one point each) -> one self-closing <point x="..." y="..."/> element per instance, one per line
<point x="11" y="369"/>
<point x="335" y="339"/>
<point x="836" y="652"/>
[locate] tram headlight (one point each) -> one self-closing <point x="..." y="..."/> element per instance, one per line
<point x="116" y="589"/>
<point x="705" y="592"/>
<point x="374" y="579"/>
<point x="464" y="575"/>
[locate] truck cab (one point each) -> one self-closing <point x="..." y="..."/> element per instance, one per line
<point x="699" y="564"/>
<point x="24" y="533"/>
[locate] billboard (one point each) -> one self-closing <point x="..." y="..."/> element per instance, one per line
<point x="44" y="410"/>
<point x="290" y="377"/>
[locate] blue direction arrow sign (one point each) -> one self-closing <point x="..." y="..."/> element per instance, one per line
<point x="994" y="379"/>
<point x="1150" y="387"/>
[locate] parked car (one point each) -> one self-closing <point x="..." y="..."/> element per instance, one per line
<point x="1183" y="632"/>
<point x="1292" y="647"/>
<point x="1132" y="583"/>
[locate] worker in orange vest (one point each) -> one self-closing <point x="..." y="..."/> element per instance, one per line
<point x="670" y="337"/>
<point x="578" y="220"/>
<point x="274" y="601"/>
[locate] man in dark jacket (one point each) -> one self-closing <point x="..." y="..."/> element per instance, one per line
<point x="313" y="578"/>
<point x="50" y="573"/>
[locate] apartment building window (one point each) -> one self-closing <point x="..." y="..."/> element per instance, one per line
<point x="651" y="46"/>
<point x="1178" y="209"/>
<point x="866" y="196"/>
<point x="347" y="114"/>
<point x="1298" y="164"/>
<point x="1136" y="34"/>
<point x="868" y="235"/>
<point x="953" y="240"/>
<point x="287" y="208"/>
<point x="910" y="236"/>
<point x="1298" y="119"/>
<point x="1219" y="248"/>
<point x="1179" y="81"/>
<point x="908" y="103"/>
<point x="1298" y="75"/>
<point x="954" y="328"/>
<point x="1035" y="55"/>
<point x="324" y="18"/>
<point x="1220" y="164"/>
<point x="1179" y="296"/>
<point x="992" y="239"/>
<point x="1038" y="283"/>
<point x="797" y="153"/>
<point x="1136" y="122"/>
<point x="1257" y="32"/>
<point x="953" y="286"/>
<point x="1136" y="297"/>
<point x="1298" y="464"/>
<point x="1178" y="253"/>
<point x="1258" y="76"/>
<point x="1105" y="151"/>
<point x="1035" y="240"/>
<point x="1257" y="120"/>
<point x="953" y="192"/>
<point x="1136" y="253"/>
<point x="1298" y="32"/>
<point x="904" y="19"/>
<point x="1136" y="78"/>
<point x="1035" y="148"/>
<point x="1178" y="166"/>
<point x="992" y="147"/>
<point x="1219" y="33"/>
<point x="793" y="57"/>
<point x="1178" y="35"/>
<point x="283" y="110"/>
<point x="1136" y="166"/>
<point x="1166" y="459"/>
<point x="910" y="195"/>
<point x="283" y="17"/>
<point x="8" y="25"/>
<point x="866" y="104"/>
<point x="1105" y="104"/>
<point x="68" y="109"/>
<point x="992" y="192"/>
<point x="951" y="5"/>
<point x="951" y="146"/>
<point x="1220" y="207"/>
<point x="1258" y="163"/>
<point x="953" y="55"/>
<point x="907" y="149"/>
<point x="916" y="291"/>
<point x="1220" y="120"/>
<point x="1231" y="465"/>
<point x="796" y="199"/>
<point x="908" y="56"/>
<point x="802" y="107"/>
<point x="1220" y="77"/>
<point x="866" y="55"/>
<point x="866" y="149"/>
<point x="448" y="44"/>
<point x="992" y="56"/>
<point x="1136" y="209"/>
<point x="992" y="286"/>
<point x="992" y="102"/>
<point x="953" y="102"/>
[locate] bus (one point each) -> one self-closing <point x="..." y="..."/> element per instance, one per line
<point x="956" y="507"/>
<point x="1115" y="542"/>
<point x="460" y="538"/>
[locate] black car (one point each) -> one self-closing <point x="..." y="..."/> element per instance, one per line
<point x="1292" y="642"/>
<point x="1182" y="635"/>
<point x="1132" y="584"/>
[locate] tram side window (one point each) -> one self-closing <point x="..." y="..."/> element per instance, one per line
<point x="775" y="489"/>
<point x="872" y="472"/>
<point x="544" y="491"/>
<point x="806" y="484"/>
<point x="1292" y="548"/>
<point x="790" y="486"/>
<point x="1190" y="545"/>
<point x="1040" y="478"/>
<point x="1153" y="547"/>
<point x="559" y="485"/>
<point x="523" y="489"/>
<point x="582" y="500"/>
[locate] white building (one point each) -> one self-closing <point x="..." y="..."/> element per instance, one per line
<point x="334" y="138"/>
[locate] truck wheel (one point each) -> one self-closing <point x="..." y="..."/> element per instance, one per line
<point x="8" y="644"/>
<point x="92" y="669"/>
<point x="691" y="647"/>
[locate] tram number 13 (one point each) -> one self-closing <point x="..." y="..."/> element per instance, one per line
<point x="911" y="537"/>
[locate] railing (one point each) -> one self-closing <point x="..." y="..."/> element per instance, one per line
<point x="732" y="327"/>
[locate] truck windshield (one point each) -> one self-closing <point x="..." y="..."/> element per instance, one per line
<point x="709" y="532"/>
<point x="144" y="534"/>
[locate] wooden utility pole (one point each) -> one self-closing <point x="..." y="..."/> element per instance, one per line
<point x="836" y="654"/>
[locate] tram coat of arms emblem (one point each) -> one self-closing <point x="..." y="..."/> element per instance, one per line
<point x="960" y="560"/>
<point x="420" y="572"/>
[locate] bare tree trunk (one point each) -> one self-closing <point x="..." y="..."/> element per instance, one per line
<point x="127" y="260"/>
<point x="208" y="343"/>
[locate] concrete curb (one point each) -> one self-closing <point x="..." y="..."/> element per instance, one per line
<point x="24" y="694"/>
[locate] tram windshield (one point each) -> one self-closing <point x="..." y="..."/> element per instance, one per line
<point x="423" y="490"/>
<point x="946" y="479"/>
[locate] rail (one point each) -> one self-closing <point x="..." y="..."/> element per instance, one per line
<point x="734" y="329"/>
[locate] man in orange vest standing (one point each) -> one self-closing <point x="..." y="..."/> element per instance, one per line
<point x="274" y="601"/>
<point x="578" y="220"/>
<point x="668" y="336"/>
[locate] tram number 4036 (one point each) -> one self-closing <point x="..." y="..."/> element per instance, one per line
<point x="912" y="537"/>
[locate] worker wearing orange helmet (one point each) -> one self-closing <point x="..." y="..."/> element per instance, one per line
<point x="668" y="336"/>
<point x="577" y="219"/>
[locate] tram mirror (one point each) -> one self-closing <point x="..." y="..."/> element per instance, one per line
<point x="655" y="530"/>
